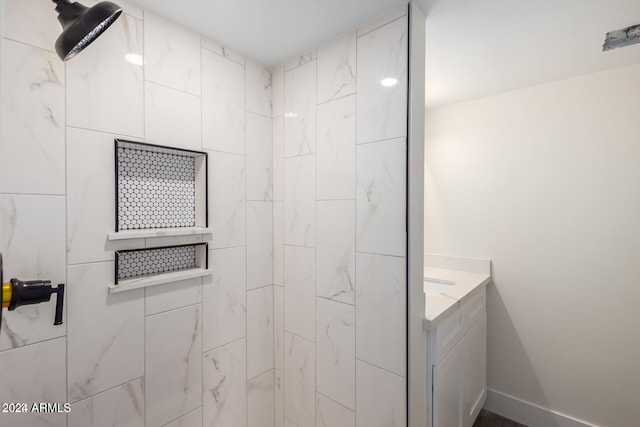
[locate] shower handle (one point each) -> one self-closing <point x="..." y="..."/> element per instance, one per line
<point x="18" y="292"/>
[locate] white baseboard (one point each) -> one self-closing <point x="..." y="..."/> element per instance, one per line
<point x="528" y="413"/>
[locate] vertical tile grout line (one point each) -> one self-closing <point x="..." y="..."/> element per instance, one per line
<point x="355" y="243"/>
<point x="206" y="220"/>
<point x="66" y="233"/>
<point x="315" y="255"/>
<point x="246" y="245"/>
<point x="144" y="137"/>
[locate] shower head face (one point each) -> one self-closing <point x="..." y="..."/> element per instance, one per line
<point x="82" y="25"/>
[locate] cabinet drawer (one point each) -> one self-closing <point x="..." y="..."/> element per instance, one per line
<point x="442" y="339"/>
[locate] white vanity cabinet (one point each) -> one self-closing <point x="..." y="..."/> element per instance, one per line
<point x="457" y="363"/>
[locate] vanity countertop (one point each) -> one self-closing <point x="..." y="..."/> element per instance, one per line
<point x="458" y="287"/>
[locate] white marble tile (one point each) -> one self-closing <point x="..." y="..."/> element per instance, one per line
<point x="279" y="397"/>
<point x="300" y="110"/>
<point x="277" y="78"/>
<point x="288" y="423"/>
<point x="259" y="244"/>
<point x="29" y="21"/>
<point x="104" y="91"/>
<point x="382" y="110"/>
<point x="173" y="349"/>
<point x="381" y="311"/>
<point x="127" y="6"/>
<point x="173" y="295"/>
<point x="91" y="198"/>
<point x="259" y="158"/>
<point x="105" y="332"/>
<point x="33" y="374"/>
<point x="278" y="326"/>
<point x="337" y="149"/>
<point x="259" y="331"/>
<point x="381" y="400"/>
<point x="396" y="14"/>
<point x="331" y="414"/>
<point x="171" y="54"/>
<point x="381" y="197"/>
<point x="225" y="386"/>
<point x="278" y="158"/>
<point x="300" y="201"/>
<point x="24" y="220"/>
<point x="122" y="406"/>
<point x="227" y="205"/>
<point x="299" y="381"/>
<point x="261" y="401"/>
<point x="259" y="89"/>
<point x="223" y="104"/>
<point x="223" y="51"/>
<point x="192" y="419"/>
<point x="336" y="251"/>
<point x="224" y="300"/>
<point x="299" y="291"/>
<point x="336" y="351"/>
<point x="172" y="117"/>
<point x="33" y="117"/>
<point x="155" y="242"/>
<point x="300" y="60"/>
<point x="337" y="69"/>
<point x="278" y="243"/>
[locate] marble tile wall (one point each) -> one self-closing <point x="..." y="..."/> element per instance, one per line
<point x="339" y="261"/>
<point x="187" y="354"/>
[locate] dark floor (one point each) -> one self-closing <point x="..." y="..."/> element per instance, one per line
<point x="489" y="419"/>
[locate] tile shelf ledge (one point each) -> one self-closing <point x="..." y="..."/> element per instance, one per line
<point x="158" y="279"/>
<point x="158" y="232"/>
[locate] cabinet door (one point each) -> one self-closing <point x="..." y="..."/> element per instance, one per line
<point x="474" y="369"/>
<point x="447" y="390"/>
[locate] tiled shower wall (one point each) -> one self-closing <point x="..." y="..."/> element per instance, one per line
<point x="308" y="195"/>
<point x="339" y="185"/>
<point x="187" y="354"/>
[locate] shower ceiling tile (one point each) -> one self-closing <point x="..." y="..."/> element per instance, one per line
<point x="172" y="55"/>
<point x="382" y="110"/>
<point x="105" y="332"/>
<point x="173" y="362"/>
<point x="337" y="69"/>
<point x="223" y="104"/>
<point x="104" y="91"/>
<point x="224" y="300"/>
<point x="33" y="117"/>
<point x="300" y="110"/>
<point x="172" y="117"/>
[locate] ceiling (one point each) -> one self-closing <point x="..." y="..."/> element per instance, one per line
<point x="474" y="48"/>
<point x="478" y="48"/>
<point x="271" y="31"/>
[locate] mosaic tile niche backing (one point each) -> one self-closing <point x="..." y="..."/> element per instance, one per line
<point x="155" y="189"/>
<point x="145" y="262"/>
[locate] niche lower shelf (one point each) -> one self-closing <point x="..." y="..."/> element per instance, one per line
<point x="158" y="279"/>
<point x="159" y="232"/>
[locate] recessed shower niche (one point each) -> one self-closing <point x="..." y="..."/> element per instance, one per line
<point x="159" y="192"/>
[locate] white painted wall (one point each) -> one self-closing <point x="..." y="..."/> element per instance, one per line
<point x="545" y="182"/>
